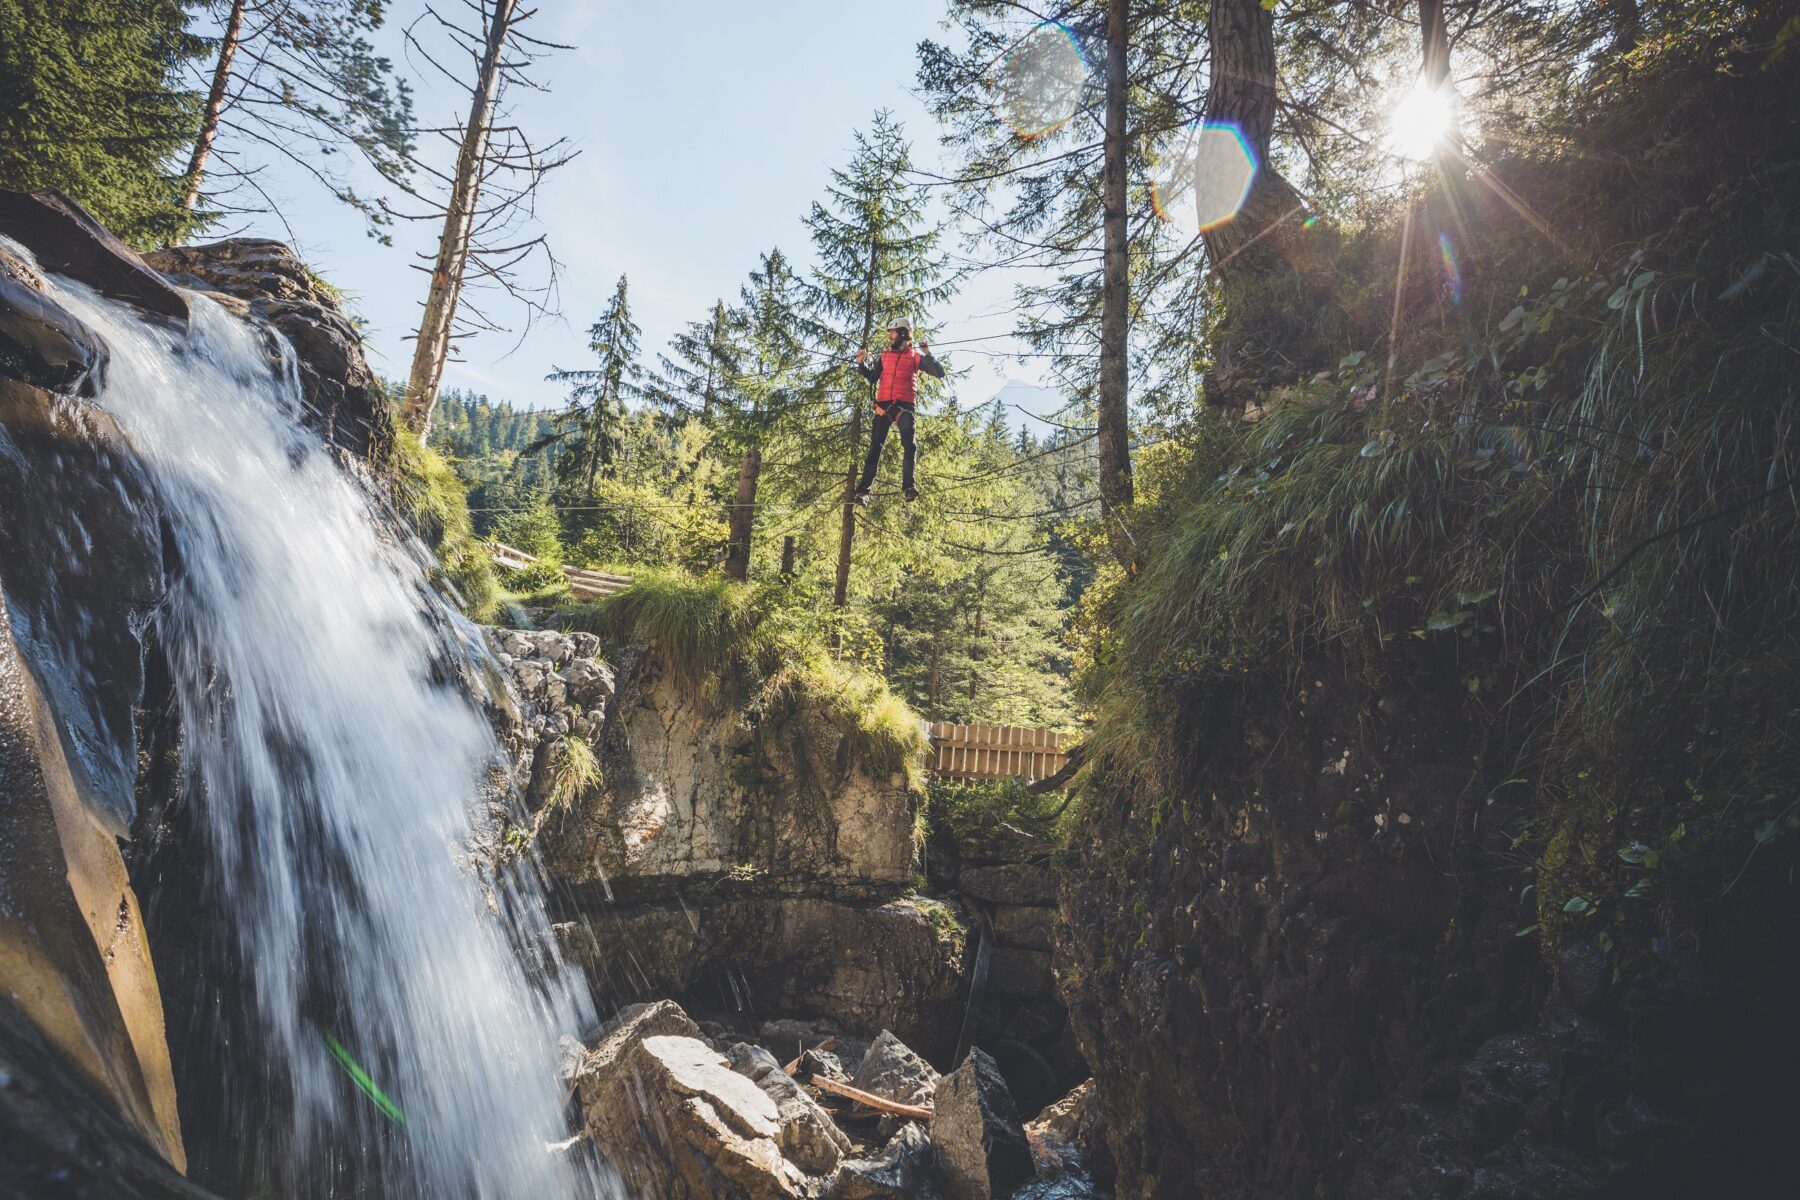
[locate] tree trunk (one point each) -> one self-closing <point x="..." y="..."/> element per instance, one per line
<point x="787" y="557"/>
<point x="1434" y="41"/>
<point x="1114" y="415"/>
<point x="215" y="106"/>
<point x="840" y="592"/>
<point x="931" y="687"/>
<point x="433" y="345"/>
<point x="743" y="515"/>
<point x="1242" y="95"/>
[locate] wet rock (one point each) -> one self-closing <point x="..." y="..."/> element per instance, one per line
<point x="343" y="396"/>
<point x="892" y="1070"/>
<point x="64" y="238"/>
<point x="905" y="1169"/>
<point x="1500" y="1083"/>
<point x="1009" y="883"/>
<point x="41" y="343"/>
<point x="808" y="1137"/>
<point x="975" y="1131"/>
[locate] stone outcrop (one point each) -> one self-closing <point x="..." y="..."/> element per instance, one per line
<point x="861" y="965"/>
<point x="271" y="284"/>
<point x="693" y="791"/>
<point x="1299" y="973"/>
<point x="1004" y="876"/>
<point x="80" y="567"/>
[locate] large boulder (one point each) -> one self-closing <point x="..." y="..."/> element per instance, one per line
<point x="894" y="1071"/>
<point x="678" y="1123"/>
<point x="808" y="1136"/>
<point x="981" y="1147"/>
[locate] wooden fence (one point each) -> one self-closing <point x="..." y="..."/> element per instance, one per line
<point x="994" y="751"/>
<point x="583" y="585"/>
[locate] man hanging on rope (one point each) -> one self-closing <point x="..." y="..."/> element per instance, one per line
<point x="895" y="376"/>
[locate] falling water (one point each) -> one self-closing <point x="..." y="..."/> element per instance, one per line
<point x="409" y="1050"/>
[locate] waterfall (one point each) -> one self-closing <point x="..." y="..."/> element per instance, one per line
<point x="407" y="1005"/>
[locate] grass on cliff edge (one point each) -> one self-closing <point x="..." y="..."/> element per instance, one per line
<point x="434" y="501"/>
<point x="1577" y="498"/>
<point x="719" y="637"/>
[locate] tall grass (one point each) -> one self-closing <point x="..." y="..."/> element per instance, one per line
<point x="435" y="502"/>
<point x="727" y="641"/>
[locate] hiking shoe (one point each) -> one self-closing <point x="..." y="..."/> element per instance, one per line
<point x="862" y="498"/>
<point x="912" y="493"/>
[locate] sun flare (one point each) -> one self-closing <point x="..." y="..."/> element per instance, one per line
<point x="1421" y="121"/>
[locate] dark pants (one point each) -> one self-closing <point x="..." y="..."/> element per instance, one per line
<point x="901" y="415"/>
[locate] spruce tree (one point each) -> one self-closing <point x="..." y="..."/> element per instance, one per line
<point x="707" y="357"/>
<point x="91" y="103"/>
<point x="588" y="430"/>
<point x="765" y="393"/>
<point x="877" y="261"/>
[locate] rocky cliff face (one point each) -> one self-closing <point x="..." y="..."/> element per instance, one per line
<point x="90" y="1100"/>
<point x="739" y="860"/>
<point x="1298" y="971"/>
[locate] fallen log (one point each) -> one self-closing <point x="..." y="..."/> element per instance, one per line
<point x="870" y="1100"/>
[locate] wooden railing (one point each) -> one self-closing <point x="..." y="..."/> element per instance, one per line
<point x="583" y="585"/>
<point x="994" y="751"/>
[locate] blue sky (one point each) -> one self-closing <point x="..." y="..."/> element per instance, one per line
<point x="706" y="130"/>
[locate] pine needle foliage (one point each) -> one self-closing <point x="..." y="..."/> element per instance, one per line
<point x="91" y="103"/>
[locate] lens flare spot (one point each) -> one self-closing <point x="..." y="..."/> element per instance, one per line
<point x="1207" y="179"/>
<point x="1421" y="121"/>
<point x="363" y="1083"/>
<point x="1452" y="274"/>
<point x="1040" y="81"/>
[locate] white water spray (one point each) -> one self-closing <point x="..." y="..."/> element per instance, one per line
<point x="338" y="780"/>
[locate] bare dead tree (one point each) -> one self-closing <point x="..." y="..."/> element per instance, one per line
<point x="487" y="202"/>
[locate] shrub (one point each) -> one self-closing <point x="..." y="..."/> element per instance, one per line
<point x="432" y="500"/>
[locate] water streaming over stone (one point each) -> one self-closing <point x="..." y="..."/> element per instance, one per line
<point x="407" y="1048"/>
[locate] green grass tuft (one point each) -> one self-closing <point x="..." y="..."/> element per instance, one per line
<point x="434" y="501"/>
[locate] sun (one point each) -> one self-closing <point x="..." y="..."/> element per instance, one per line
<point x="1421" y="121"/>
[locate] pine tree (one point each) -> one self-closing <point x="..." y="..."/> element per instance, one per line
<point x="707" y="357"/>
<point x="91" y="103"/>
<point x="765" y="393"/>
<point x="877" y="262"/>
<point x="589" y="428"/>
